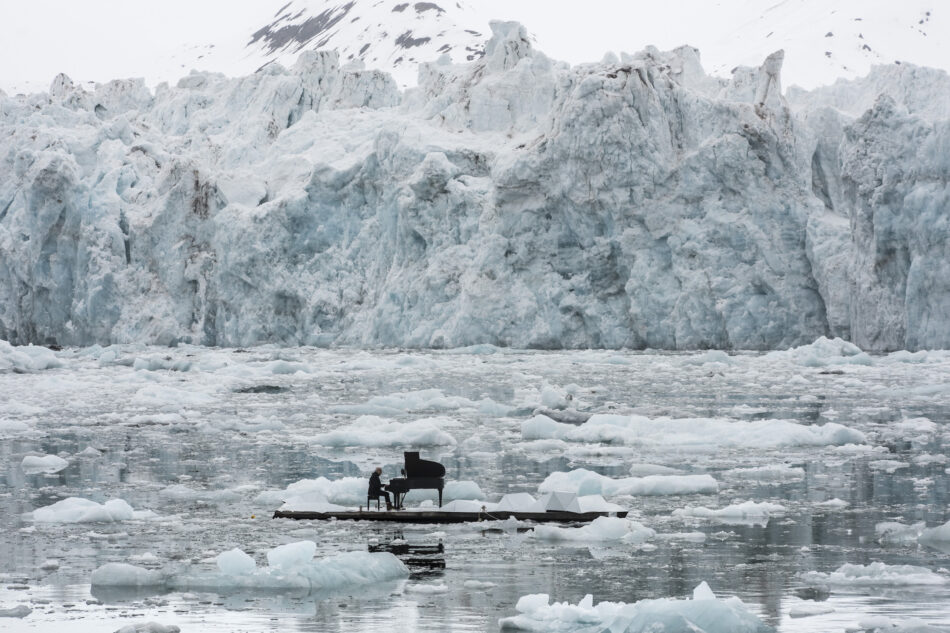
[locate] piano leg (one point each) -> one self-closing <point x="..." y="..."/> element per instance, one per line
<point x="440" y="497"/>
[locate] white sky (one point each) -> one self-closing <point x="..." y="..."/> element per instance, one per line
<point x="98" y="40"/>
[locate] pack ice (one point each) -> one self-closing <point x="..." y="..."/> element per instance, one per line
<point x="513" y="201"/>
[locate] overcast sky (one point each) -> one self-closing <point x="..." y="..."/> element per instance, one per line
<point x="104" y="39"/>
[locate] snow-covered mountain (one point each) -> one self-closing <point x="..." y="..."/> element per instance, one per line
<point x="823" y="41"/>
<point x="512" y="200"/>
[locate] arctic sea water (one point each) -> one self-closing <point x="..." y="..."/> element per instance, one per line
<point x="201" y="445"/>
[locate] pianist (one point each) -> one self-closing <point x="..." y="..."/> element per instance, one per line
<point x="376" y="488"/>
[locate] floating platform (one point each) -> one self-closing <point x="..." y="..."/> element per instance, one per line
<point x="438" y="516"/>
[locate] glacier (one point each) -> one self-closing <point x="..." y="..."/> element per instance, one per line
<point x="514" y="201"/>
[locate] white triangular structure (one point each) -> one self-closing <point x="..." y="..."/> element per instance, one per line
<point x="561" y="502"/>
<point x="519" y="502"/>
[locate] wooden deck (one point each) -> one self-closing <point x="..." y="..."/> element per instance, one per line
<point x="436" y="516"/>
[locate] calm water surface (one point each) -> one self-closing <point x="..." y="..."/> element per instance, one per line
<point x="154" y="427"/>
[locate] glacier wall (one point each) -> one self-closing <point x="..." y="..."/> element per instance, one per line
<point x="517" y="201"/>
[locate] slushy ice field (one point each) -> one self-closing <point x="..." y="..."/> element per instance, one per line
<point x="808" y="483"/>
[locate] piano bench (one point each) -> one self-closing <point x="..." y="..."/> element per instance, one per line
<point x="369" y="500"/>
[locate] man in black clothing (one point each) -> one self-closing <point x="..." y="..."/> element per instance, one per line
<point x="376" y="488"/>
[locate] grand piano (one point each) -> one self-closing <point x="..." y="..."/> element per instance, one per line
<point x="418" y="474"/>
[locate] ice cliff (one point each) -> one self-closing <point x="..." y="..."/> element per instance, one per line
<point x="635" y="202"/>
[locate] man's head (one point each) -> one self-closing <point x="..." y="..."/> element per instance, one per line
<point x="379" y="470"/>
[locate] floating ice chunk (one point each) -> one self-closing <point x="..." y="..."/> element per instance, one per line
<point x="773" y="473"/>
<point x="888" y="465"/>
<point x="12" y="427"/>
<point x="833" y="504"/>
<point x="374" y="431"/>
<point x="49" y="464"/>
<point x="876" y="574"/>
<point x="19" y="611"/>
<point x="601" y="529"/>
<point x="807" y="609"/>
<point x="940" y="534"/>
<point x="408" y="402"/>
<point x="297" y="574"/>
<point x="692" y="537"/>
<point x="923" y="426"/>
<point x="292" y="555"/>
<point x="747" y="512"/>
<point x="235" y="562"/>
<point x="78" y="510"/>
<point x="703" y="614"/>
<point x="478" y="584"/>
<point x="181" y="492"/>
<point x="125" y="575"/>
<point x="925" y="459"/>
<point x="884" y="624"/>
<point x="50" y="564"/>
<point x="169" y="398"/>
<point x="894" y="533"/>
<point x="553" y="398"/>
<point x="427" y="589"/>
<point x="149" y="627"/>
<point x="586" y="482"/>
<point x="706" y="434"/>
<point x="903" y="356"/>
<point x="294" y="571"/>
<point x="156" y="362"/>
<point x="26" y="358"/>
<point x="824" y="352"/>
<point x="642" y="469"/>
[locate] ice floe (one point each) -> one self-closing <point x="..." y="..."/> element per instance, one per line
<point x="704" y="613"/>
<point x="776" y="473"/>
<point x="19" y="611"/>
<point x="691" y="433"/>
<point x="585" y="482"/>
<point x="807" y="609"/>
<point x="824" y="352"/>
<point x="26" y="358"/>
<point x="149" y="627"/>
<point x="49" y="464"/>
<point x="79" y="510"/>
<point x="876" y="574"/>
<point x="290" y="567"/>
<point x="601" y="529"/>
<point x="739" y="513"/>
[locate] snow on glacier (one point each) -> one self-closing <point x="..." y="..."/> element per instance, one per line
<point x="514" y="201"/>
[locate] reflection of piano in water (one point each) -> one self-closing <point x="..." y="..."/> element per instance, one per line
<point x="418" y="474"/>
<point x="422" y="560"/>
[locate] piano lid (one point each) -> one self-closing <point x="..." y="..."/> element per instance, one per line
<point x="416" y="467"/>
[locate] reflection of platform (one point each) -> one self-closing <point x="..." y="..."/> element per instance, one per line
<point x="435" y="516"/>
